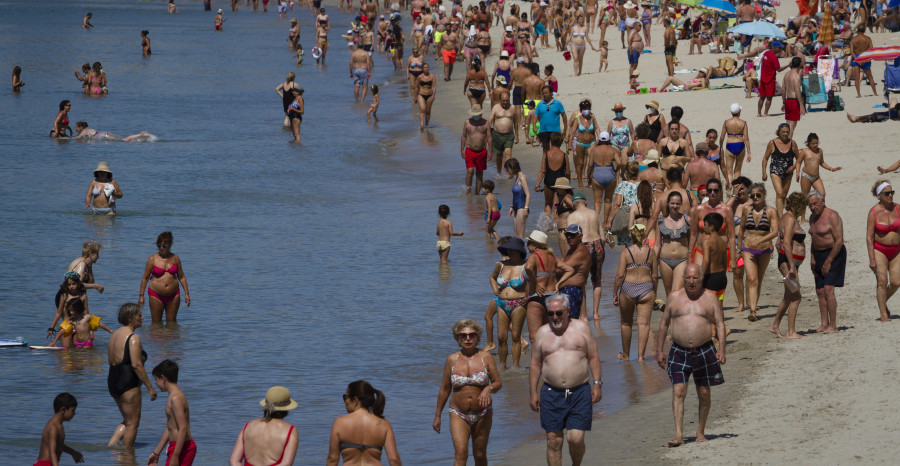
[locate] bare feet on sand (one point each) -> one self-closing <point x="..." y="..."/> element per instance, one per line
<point x="676" y="442"/>
<point x="622" y="357"/>
<point x="701" y="438"/>
<point x="490" y="346"/>
<point x="793" y="336"/>
<point x="776" y="331"/>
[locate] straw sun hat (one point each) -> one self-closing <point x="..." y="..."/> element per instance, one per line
<point x="278" y="399"/>
<point x="102" y="167"/>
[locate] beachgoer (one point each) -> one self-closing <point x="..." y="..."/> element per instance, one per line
<point x="828" y="259"/>
<point x="102" y="191"/>
<point x="739" y="200"/>
<point x="476" y="86"/>
<point x="784" y="153"/>
<point x="53" y="437"/>
<point x="361" y="67"/>
<point x="71" y="289"/>
<point x="594" y="239"/>
<point x="518" y="208"/>
<point x="755" y="239"/>
<point x="181" y="447"/>
<point x="883" y="244"/>
<point x="548" y="112"/>
<point x="86" y="22"/>
<point x="268" y="439"/>
<point x="859" y="44"/>
<point x="690" y="311"/>
<point x="469" y="379"/>
<point x="284" y="90"/>
<point x="449" y="48"/>
<point x="83" y="268"/>
<point x="700" y="169"/>
<point x="172" y="9"/>
<point x="625" y="196"/>
<point x="127" y="374"/>
<point x="295" y="112"/>
<point x="893" y="113"/>
<point x="17" y="82"/>
<point x="672" y="247"/>
<point x="424" y="93"/>
<point x="655" y="120"/>
<point x="701" y="81"/>
<point x="373" y="109"/>
<point x="444" y="232"/>
<point x="735" y="140"/>
<point x="635" y="287"/>
<point x="61" y="123"/>
<point x="602" y="179"/>
<point x="504" y="123"/>
<point x="218" y="21"/>
<point x="83" y="133"/>
<point x="566" y="397"/>
<point x="474" y="145"/>
<point x="582" y="132"/>
<point x="491" y="209"/>
<point x="167" y="272"/>
<point x="81" y="325"/>
<point x="808" y="163"/>
<point x="792" y="95"/>
<point x="548" y="175"/>
<point x="359" y="436"/>
<point x="768" y="72"/>
<point x="542" y="264"/>
<point x="674" y="150"/>
<point x="573" y="269"/>
<point x="564" y="205"/>
<point x="791" y="252"/>
<point x="322" y="27"/>
<point x="578" y="42"/>
<point x="145" y="43"/>
<point x="670" y="44"/>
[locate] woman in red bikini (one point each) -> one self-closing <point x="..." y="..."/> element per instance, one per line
<point x="261" y="439"/>
<point x="61" y="123"/>
<point x="166" y="270"/>
<point x="791" y="246"/>
<point x="883" y="243"/>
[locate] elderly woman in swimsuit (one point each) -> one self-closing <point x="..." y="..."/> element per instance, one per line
<point x="167" y="272"/>
<point x="510" y="282"/>
<point x="784" y="153"/>
<point x="359" y="436"/>
<point x="883" y="244"/>
<point x="542" y="263"/>
<point x="476" y="86"/>
<point x="602" y="178"/>
<point x="61" y="122"/>
<point x="126" y="373"/>
<point x="672" y="247"/>
<point x="755" y="239"/>
<point x="636" y="289"/>
<point x="791" y="252"/>
<point x="582" y="131"/>
<point x="621" y="133"/>
<point x="261" y="439"/>
<point x="102" y="192"/>
<point x="808" y="163"/>
<point x="470" y="378"/>
<point x="735" y="140"/>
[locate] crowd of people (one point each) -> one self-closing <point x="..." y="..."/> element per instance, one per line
<point x="680" y="211"/>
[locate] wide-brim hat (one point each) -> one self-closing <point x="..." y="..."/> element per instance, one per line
<point x="538" y="236"/>
<point x="653" y="104"/>
<point x="220" y="11"/>
<point x="630" y="5"/>
<point x="476" y="110"/>
<point x="618" y="106"/>
<point x="515" y="244"/>
<point x="293" y="20"/>
<point x="562" y="183"/>
<point x="652" y="156"/>
<point x="504" y="54"/>
<point x="102" y="167"/>
<point x="278" y="399"/>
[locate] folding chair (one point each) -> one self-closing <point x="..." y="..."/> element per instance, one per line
<point x="814" y="90"/>
<point x="892" y="78"/>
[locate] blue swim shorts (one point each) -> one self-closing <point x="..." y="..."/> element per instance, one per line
<point x="566" y="408"/>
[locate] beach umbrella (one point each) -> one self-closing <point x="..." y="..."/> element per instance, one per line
<point x="826" y="32"/>
<point x="893" y="3"/>
<point x="720" y="6"/>
<point x="759" y="29"/>
<point x="879" y="53"/>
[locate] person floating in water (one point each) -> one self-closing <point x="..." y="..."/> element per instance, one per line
<point x="85" y="133"/>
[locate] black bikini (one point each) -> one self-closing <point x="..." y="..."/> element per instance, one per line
<point x="121" y="376"/>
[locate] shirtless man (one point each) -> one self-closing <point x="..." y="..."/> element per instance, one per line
<point x="449" y="49"/>
<point x="740" y="198"/>
<point x="476" y="138"/>
<point x="715" y="204"/>
<point x="794" y="106"/>
<point x="565" y="400"/>
<point x="670" y="42"/>
<point x="86" y="22"/>
<point x="623" y="28"/>
<point x="828" y="258"/>
<point x="859" y="44"/>
<point x="361" y="66"/>
<point x="518" y="75"/>
<point x="573" y="270"/>
<point x="635" y="47"/>
<point x="53" y="438"/>
<point x="440" y="28"/>
<point x="370" y="9"/>
<point x="504" y="123"/>
<point x="594" y="239"/>
<point x="382" y="28"/>
<point x="690" y="311"/>
<point x="416" y="8"/>
<point x="746" y="13"/>
<point x="218" y="20"/>
<point x="699" y="170"/>
<point x="533" y="83"/>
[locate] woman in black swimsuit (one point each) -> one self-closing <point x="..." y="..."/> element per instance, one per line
<point x="672" y="149"/>
<point x="477" y="84"/>
<point x="655" y="120"/>
<point x="784" y="153"/>
<point x="127" y="374"/>
<point x="426" y="89"/>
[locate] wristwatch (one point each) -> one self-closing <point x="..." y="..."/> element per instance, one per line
<point x="599" y="382"/>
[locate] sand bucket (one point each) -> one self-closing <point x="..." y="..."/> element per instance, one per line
<point x="567" y="55"/>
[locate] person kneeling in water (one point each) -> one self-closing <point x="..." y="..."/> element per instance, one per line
<point x="86" y="133"/>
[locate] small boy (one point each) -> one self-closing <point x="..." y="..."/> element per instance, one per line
<point x="604" y="53"/>
<point x="84" y="325"/>
<point x="444" y="232"/>
<point x="715" y="259"/>
<point x="373" y="109"/>
<point x="53" y="439"/>
<point x="532" y="125"/>
<point x="633" y="83"/>
<point x="178" y="423"/>
<point x="491" y="209"/>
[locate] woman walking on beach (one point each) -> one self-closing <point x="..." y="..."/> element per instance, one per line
<point x="636" y="289"/>
<point x="672" y="247"/>
<point x="167" y="272"/>
<point x="735" y="139"/>
<point x="883" y="244"/>
<point x="674" y="150"/>
<point x="656" y="121"/>
<point x="542" y="264"/>
<point x="268" y="439"/>
<point x="625" y="197"/>
<point x="756" y="239"/>
<point x="784" y="153"/>
<point x="518" y="208"/>
<point x="126" y="373"/>
<point x="603" y="180"/>
<point x="510" y="282"/>
<point x="470" y="377"/>
<point x="61" y="122"/>
<point x="360" y="435"/>
<point x="579" y="42"/>
<point x="554" y="157"/>
<point x="425" y="92"/>
<point x="791" y="252"/>
<point x="413" y="70"/>
<point x="621" y="131"/>
<point x="102" y="192"/>
<point x="582" y="131"/>
<point x="476" y="86"/>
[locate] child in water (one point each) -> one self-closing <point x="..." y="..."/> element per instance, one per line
<point x="53" y="438"/>
<point x="17" y="82"/>
<point x="373" y="110"/>
<point x="72" y="290"/>
<point x="444" y="232"/>
<point x="81" y="324"/>
<point x="178" y="424"/>
<point x="491" y="209"/>
<point x="300" y="54"/>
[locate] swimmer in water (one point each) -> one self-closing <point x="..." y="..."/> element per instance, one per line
<point x="85" y="133"/>
<point x="102" y="192"/>
<point x="84" y="325"/>
<point x="61" y="123"/>
<point x="85" y="79"/>
<point x="86" y="22"/>
<point x="145" y="43"/>
<point x="373" y="109"/>
<point x="17" y="82"/>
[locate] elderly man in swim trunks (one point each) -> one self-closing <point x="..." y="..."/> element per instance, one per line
<point x="475" y="141"/>
<point x="573" y="270"/>
<point x="361" y="66"/>
<point x="564" y="356"/>
<point x="690" y="311"/>
<point x="859" y="44"/>
<point x="504" y="123"/>
<point x="593" y="238"/>
<point x="829" y="257"/>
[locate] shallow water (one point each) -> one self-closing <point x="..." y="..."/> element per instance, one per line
<point x="309" y="265"/>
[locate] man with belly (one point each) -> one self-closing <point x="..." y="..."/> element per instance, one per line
<point x="829" y="257"/>
<point x="361" y="65"/>
<point x="476" y="139"/>
<point x="504" y="130"/>
<point x="573" y="270"/>
<point x="564" y="356"/>
<point x="690" y="311"/>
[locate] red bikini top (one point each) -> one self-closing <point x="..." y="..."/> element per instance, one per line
<point x="882" y="229"/>
<point x="159" y="271"/>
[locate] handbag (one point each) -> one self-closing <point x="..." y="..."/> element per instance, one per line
<point x="620" y="221"/>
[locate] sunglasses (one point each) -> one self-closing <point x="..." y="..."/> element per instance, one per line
<point x="713" y="190"/>
<point x="346" y="397"/>
<point x="571" y="235"/>
<point x="756" y="196"/>
<point x="887" y="193"/>
<point x="466" y="336"/>
<point x="555" y="313"/>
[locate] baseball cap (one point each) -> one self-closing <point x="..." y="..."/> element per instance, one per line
<point x="574" y="228"/>
<point x="579" y="197"/>
<point x="735" y="108"/>
<point x="604" y="136"/>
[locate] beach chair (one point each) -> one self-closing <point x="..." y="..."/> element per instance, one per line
<point x="814" y="90"/>
<point x="892" y="78"/>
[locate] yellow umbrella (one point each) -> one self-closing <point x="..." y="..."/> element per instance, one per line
<point x="826" y="31"/>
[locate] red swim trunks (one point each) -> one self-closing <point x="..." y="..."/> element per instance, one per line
<point x="186" y="458"/>
<point x="476" y="159"/>
<point x="766" y="89"/>
<point x="42" y="463"/>
<point x="218" y="27"/>
<point x="449" y="55"/>
<point x="791" y="109"/>
<point x="416" y="14"/>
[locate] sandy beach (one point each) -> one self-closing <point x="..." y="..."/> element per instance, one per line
<point x="783" y="400"/>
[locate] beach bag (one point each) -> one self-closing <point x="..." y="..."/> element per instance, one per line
<point x="838" y="104"/>
<point x="620" y="221"/>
